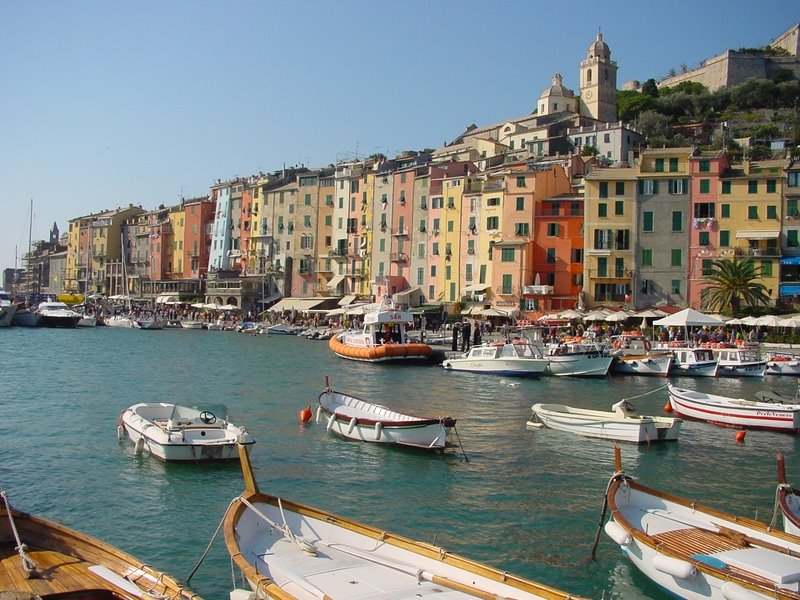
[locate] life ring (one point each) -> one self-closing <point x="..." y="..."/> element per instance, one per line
<point x="647" y="345"/>
<point x="617" y="344"/>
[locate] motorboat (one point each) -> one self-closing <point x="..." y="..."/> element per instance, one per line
<point x="739" y="361"/>
<point x="787" y="499"/>
<point x="42" y="559"/>
<point x="7" y="309"/>
<point x="283" y="329"/>
<point x="87" y="319"/>
<point x="517" y="358"/>
<point x="735" y="412"/>
<point x="291" y="551"/>
<point x="578" y="358"/>
<point x="150" y="321"/>
<point x="634" y="355"/>
<point x="360" y="420"/>
<point x="57" y="314"/>
<point x="25" y="316"/>
<point x="191" y="324"/>
<point x="383" y="338"/>
<point x="693" y="361"/>
<point x="180" y="433"/>
<point x="695" y="551"/>
<point x="125" y="321"/>
<point x="783" y="364"/>
<point x="622" y="424"/>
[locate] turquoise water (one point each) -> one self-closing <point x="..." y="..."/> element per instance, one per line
<point x="525" y="501"/>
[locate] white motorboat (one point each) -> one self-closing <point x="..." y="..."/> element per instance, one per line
<point x="623" y="424"/>
<point x="580" y="359"/>
<point x="190" y="324"/>
<point x="787" y="500"/>
<point x="735" y="412"/>
<point x="635" y="355"/>
<point x="87" y="320"/>
<point x="740" y="361"/>
<point x="180" y="433"/>
<point x="57" y="314"/>
<point x="694" y="362"/>
<point x="283" y="329"/>
<point x="150" y="321"/>
<point x="7" y="309"/>
<point x="360" y="420"/>
<point x="695" y="551"/>
<point x="783" y="364"/>
<point x="522" y="359"/>
<point x="289" y="551"/>
<point x="121" y="320"/>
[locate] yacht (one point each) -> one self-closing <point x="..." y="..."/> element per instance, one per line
<point x="57" y="314"/>
<point x="7" y="308"/>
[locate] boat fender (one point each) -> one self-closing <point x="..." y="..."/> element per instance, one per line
<point x="331" y="419"/>
<point x="734" y="591"/>
<point x="674" y="566"/>
<point x="138" y="446"/>
<point x="617" y="533"/>
<point x="352" y="425"/>
<point x="378" y="430"/>
<point x="319" y="414"/>
<point x="240" y="594"/>
<point x="120" y="432"/>
<point x="647" y="345"/>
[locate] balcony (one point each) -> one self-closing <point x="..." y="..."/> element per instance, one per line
<point x="598" y="252"/>
<point x="398" y="257"/>
<point x="400" y="232"/>
<point x="538" y="290"/>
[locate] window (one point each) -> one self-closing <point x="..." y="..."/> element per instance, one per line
<point x="507" y="255"/>
<point x="677" y="220"/>
<point x="577" y="255"/>
<point x="792" y="238"/>
<point x="772" y="212"/>
<point x="622" y="239"/>
<point x="726" y="187"/>
<point x="602" y="239"/>
<point x="551" y="256"/>
<point x="752" y="186"/>
<point x="791" y="207"/>
<point x="705" y="166"/>
<point x="602" y="210"/>
<point x="766" y="268"/>
<point x="435" y="248"/>
<point x="492" y="223"/>
<point x="507" y="279"/>
<point x="555" y="209"/>
<point x="552" y="230"/>
<point x="648" y="187"/>
<point x="673" y="165"/>
<point x="604" y="189"/>
<point x="659" y="165"/>
<point x="619" y="188"/>
<point x="520" y="203"/>
<point x="420" y="275"/>
<point x="793" y="179"/>
<point x="647" y="257"/>
<point x="619" y="207"/>
<point x="725" y="211"/>
<point x="707" y="268"/>
<point x="433" y="270"/>
<point x="450" y="225"/>
<point x="704" y="210"/>
<point x="491" y="202"/>
<point x="676" y="286"/>
<point x="448" y="272"/>
<point x="678" y="187"/>
<point x="619" y="267"/>
<point x="607" y="138"/>
<point x="522" y="229"/>
<point x="576" y="209"/>
<point x="647" y="220"/>
<point x="752" y="213"/>
<point x="470" y="246"/>
<point x="468" y="272"/>
<point x="704" y="238"/>
<point x="521" y="181"/>
<point x="772" y="186"/>
<point x="724" y="238"/>
<point x="677" y="257"/>
<point x="602" y="267"/>
<point x="705" y="186"/>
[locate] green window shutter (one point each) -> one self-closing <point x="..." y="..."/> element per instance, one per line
<point x="507" y="279"/>
<point x="705" y="186"/>
<point x="725" y="211"/>
<point x="791" y="207"/>
<point x="673" y="165"/>
<point x="724" y="238"/>
<point x="772" y="186"/>
<point x="704" y="238"/>
<point x="604" y="189"/>
<point x="705" y="166"/>
<point x="766" y="268"/>
<point x="772" y="212"/>
<point x="677" y="220"/>
<point x="726" y="187"/>
<point x="707" y="268"/>
<point x="602" y="210"/>
<point x="619" y="207"/>
<point x="647" y="257"/>
<point x="677" y="257"/>
<point x="647" y="221"/>
<point x="520" y="203"/>
<point x="792" y="238"/>
<point x="752" y="213"/>
<point x="752" y="186"/>
<point x="620" y="188"/>
<point x="602" y="267"/>
<point x="659" y="165"/>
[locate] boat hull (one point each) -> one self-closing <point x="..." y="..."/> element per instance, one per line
<point x="380" y="353"/>
<point x="593" y="364"/>
<point x="734" y="412"/>
<point x="59" y="322"/>
<point x="783" y="366"/>
<point x="607" y="425"/>
<point x="498" y="366"/>
<point x="25" y="317"/>
<point x="656" y="365"/>
<point x="757" y="369"/>
<point x="7" y="315"/>
<point x="120" y="321"/>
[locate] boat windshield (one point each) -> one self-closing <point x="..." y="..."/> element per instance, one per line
<point x="520" y="351"/>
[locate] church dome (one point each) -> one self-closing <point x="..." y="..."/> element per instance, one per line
<point x="598" y="48"/>
<point x="557" y="89"/>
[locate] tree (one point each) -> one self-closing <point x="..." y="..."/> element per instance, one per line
<point x="650" y="88"/>
<point x="733" y="282"/>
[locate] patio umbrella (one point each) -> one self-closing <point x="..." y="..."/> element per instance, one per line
<point x="789" y="322"/>
<point x="595" y="315"/>
<point x="570" y="313"/>
<point x="228" y="307"/>
<point x="749" y="321"/>
<point x="617" y="317"/>
<point x="768" y="321"/>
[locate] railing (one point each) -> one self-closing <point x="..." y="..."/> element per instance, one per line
<point x="398" y="257"/>
<point x="537" y="289"/>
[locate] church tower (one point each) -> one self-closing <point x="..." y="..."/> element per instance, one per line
<point x="599" y="83"/>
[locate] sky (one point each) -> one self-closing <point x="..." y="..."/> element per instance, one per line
<point x="109" y="103"/>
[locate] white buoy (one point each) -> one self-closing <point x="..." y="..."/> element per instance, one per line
<point x="378" y="429"/>
<point x="352" y="425"/>
<point x="617" y="533"/>
<point x="138" y="446"/>
<point x="319" y="414"/>
<point x="120" y="432"/>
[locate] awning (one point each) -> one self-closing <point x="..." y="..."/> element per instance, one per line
<point x="270" y="299"/>
<point x="335" y="282"/>
<point x="298" y="304"/>
<point x="346" y="300"/>
<point x="476" y="287"/>
<point x="407" y="295"/>
<point x="790" y="260"/>
<point x="171" y="299"/>
<point x="758" y="234"/>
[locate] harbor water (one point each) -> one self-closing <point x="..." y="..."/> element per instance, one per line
<point x="526" y="501"/>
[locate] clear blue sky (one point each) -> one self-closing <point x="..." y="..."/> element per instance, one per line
<point x="104" y="103"/>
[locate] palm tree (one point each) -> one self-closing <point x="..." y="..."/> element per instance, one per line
<point x="733" y="282"/>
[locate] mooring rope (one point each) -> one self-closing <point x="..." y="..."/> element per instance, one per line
<point x="663" y="387"/>
<point x="28" y="564"/>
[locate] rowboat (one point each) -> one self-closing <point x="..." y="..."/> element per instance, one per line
<point x="520" y="358"/>
<point x="623" y="424"/>
<point x="179" y="433"/>
<point x="287" y="550"/>
<point x="734" y="412"/>
<point x="364" y="421"/>
<point x="43" y="559"/>
<point x="788" y="500"/>
<point x="694" y="551"/>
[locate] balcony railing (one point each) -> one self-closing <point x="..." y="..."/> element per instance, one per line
<point x="398" y="257"/>
<point x="542" y="290"/>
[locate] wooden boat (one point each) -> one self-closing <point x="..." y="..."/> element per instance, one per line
<point x="578" y="359"/>
<point x="41" y="559"/>
<point x="383" y="338"/>
<point x="694" y="362"/>
<point x="623" y="424"/>
<point x="634" y="355"/>
<point x="287" y="551"/>
<point x="520" y="359"/>
<point x="694" y="551"/>
<point x="364" y="421"/>
<point x="179" y="433"/>
<point x="740" y="361"/>
<point x="783" y="364"/>
<point x="788" y="500"/>
<point x="734" y="412"/>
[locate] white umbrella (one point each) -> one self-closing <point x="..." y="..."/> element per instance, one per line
<point x="768" y="321"/>
<point x="650" y="314"/>
<point x="228" y="307"/>
<point x="570" y="313"/>
<point x="595" y="315"/>
<point x="789" y="322"/>
<point x="688" y="317"/>
<point x="617" y="317"/>
<point x="734" y="322"/>
<point x="749" y="321"/>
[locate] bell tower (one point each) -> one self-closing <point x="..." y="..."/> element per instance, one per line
<point x="598" y="79"/>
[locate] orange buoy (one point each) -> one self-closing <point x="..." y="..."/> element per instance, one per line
<point x="667" y="408"/>
<point x="305" y="414"/>
<point x="740" y="435"/>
